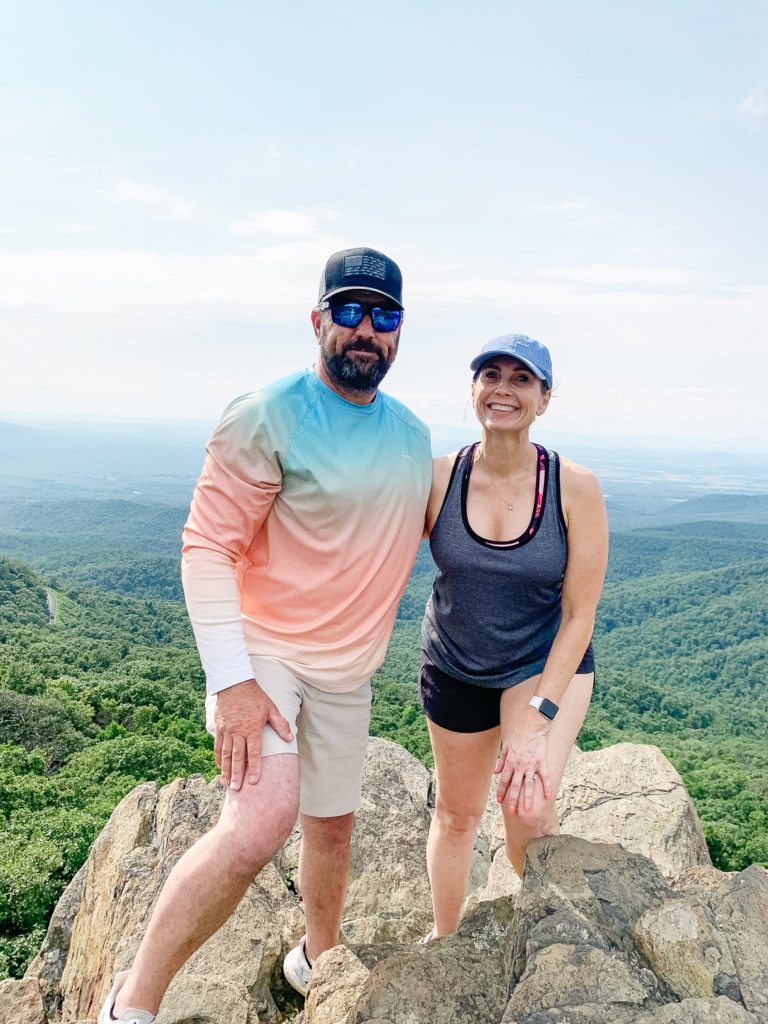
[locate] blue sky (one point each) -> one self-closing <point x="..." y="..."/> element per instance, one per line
<point x="173" y="176"/>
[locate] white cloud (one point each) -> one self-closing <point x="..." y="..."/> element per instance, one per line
<point x="519" y="288"/>
<point x="299" y="223"/>
<point x="719" y="393"/>
<point x="755" y="107"/>
<point x="700" y="114"/>
<point x="568" y="206"/>
<point x="596" y="221"/>
<point x="611" y="276"/>
<point x="271" y="151"/>
<point x="171" y="205"/>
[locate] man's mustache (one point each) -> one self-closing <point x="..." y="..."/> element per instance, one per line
<point x="362" y="345"/>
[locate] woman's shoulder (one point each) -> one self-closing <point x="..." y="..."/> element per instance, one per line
<point x="442" y="467"/>
<point x="578" y="485"/>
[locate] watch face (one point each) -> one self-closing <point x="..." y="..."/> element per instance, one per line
<point x="548" y="708"/>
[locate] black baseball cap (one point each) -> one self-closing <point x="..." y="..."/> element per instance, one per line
<point x="362" y="268"/>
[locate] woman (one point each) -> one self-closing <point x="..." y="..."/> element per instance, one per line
<point x="520" y="540"/>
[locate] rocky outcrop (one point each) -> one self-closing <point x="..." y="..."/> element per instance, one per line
<point x="630" y="794"/>
<point x="388" y="897"/>
<point x="578" y="948"/>
<point x="645" y="932"/>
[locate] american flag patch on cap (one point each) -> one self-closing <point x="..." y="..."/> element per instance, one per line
<point x="365" y="264"/>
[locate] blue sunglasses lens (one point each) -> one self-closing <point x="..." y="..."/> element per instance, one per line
<point x="350" y="314"/>
<point x="386" y="319"/>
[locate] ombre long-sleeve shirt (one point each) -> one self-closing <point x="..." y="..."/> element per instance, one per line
<point x="302" y="532"/>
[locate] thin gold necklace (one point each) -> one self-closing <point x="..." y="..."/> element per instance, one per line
<point x="509" y="504"/>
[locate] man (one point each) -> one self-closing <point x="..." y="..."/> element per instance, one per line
<point x="301" y="535"/>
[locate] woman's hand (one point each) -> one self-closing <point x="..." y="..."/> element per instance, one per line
<point x="522" y="762"/>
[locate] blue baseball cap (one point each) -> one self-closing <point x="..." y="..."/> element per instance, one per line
<point x="519" y="346"/>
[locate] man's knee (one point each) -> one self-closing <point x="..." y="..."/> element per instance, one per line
<point x="248" y="846"/>
<point x="335" y="831"/>
<point x="256" y="820"/>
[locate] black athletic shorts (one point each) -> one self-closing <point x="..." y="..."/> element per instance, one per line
<point x="463" y="707"/>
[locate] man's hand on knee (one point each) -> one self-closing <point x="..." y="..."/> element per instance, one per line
<point x="241" y="713"/>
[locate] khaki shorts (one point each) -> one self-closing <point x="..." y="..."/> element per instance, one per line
<point x="331" y="735"/>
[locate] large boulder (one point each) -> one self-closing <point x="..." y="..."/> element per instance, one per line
<point x="388" y="899"/>
<point x="601" y="937"/>
<point x="229" y="976"/>
<point x="597" y="933"/>
<point x="21" y="1002"/>
<point x="463" y="977"/>
<point x="630" y="794"/>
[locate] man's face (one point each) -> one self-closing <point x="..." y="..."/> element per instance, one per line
<point x="355" y="358"/>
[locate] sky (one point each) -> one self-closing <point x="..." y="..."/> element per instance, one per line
<point x="174" y="174"/>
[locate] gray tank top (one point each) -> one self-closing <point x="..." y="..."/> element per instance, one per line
<point x="495" y="605"/>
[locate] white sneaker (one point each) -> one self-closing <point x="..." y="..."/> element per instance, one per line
<point x="422" y="942"/>
<point x="129" y="1016"/>
<point x="296" y="967"/>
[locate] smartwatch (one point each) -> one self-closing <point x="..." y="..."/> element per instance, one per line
<point x="545" y="707"/>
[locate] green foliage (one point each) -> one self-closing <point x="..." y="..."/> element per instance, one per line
<point x="111" y="694"/>
<point x="22" y="595"/>
<point x="138" y="758"/>
<point x="18" y="951"/>
<point x="396" y="715"/>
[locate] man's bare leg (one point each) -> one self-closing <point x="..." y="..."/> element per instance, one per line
<point x="323" y="870"/>
<point x="211" y="878"/>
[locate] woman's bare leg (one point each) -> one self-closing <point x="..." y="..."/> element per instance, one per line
<point x="523" y="826"/>
<point x="463" y="768"/>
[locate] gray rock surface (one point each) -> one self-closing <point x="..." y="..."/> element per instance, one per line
<point x="21" y="1002"/>
<point x="596" y="934"/>
<point x="464" y="977"/>
<point x="388" y="899"/>
<point x="680" y="940"/>
<point x="701" y="1011"/>
<point x="740" y="908"/>
<point x="229" y="977"/>
<point x="338" y="979"/>
<point x="630" y="794"/>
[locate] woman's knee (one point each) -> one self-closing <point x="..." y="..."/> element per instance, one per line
<point x="457" y="820"/>
<point x="525" y="826"/>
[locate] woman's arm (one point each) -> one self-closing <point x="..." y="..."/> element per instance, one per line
<point x="524" y="741"/>
<point x="587" y="525"/>
<point x="441" y="475"/>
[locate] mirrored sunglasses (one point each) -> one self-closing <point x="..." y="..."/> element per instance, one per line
<point x="350" y="314"/>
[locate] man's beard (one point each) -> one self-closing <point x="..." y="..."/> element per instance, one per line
<point x="346" y="373"/>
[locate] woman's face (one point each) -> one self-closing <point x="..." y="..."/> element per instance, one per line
<point x="507" y="395"/>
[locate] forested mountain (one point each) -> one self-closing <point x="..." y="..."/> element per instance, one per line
<point x="110" y="692"/>
<point x="107" y="697"/>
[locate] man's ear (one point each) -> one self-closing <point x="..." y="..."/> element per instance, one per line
<point x="316" y="320"/>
